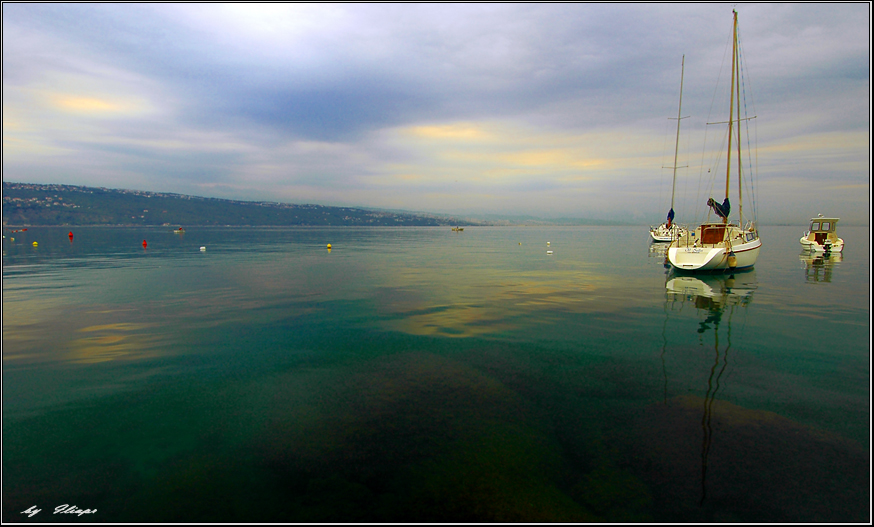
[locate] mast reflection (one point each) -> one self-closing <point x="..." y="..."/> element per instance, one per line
<point x="715" y="296"/>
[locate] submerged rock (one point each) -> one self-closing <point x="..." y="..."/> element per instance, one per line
<point x="710" y="460"/>
<point x="426" y="439"/>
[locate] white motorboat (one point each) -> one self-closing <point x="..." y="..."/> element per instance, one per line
<point x="822" y="236"/>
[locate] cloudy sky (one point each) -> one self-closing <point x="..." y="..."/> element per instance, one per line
<point x="551" y="110"/>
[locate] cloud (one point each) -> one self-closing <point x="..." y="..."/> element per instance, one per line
<point x="534" y="106"/>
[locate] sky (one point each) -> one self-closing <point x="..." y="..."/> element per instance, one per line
<point x="548" y="110"/>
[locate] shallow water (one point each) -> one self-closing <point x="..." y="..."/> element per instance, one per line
<point x="423" y="375"/>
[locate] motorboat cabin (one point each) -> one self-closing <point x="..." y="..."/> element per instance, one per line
<point x="822" y="235"/>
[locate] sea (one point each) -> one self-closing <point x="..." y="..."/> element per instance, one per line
<point x="421" y="375"/>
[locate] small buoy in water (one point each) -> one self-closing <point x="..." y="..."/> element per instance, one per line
<point x="203" y="249"/>
<point x="547" y="243"/>
<point x="329" y="246"/>
<point x="144" y="244"/>
<point x="520" y="243"/>
<point x="548" y="252"/>
<point x="34" y="244"/>
<point x="71" y="236"/>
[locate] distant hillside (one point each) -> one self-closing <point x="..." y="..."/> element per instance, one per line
<point x="37" y="204"/>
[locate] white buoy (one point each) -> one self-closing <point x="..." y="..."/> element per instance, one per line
<point x="548" y="252"/>
<point x="547" y="243"/>
<point x="203" y="249"/>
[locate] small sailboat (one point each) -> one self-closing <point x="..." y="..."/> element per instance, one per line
<point x="822" y="236"/>
<point x="669" y="230"/>
<point x="722" y="245"/>
<point x="180" y="230"/>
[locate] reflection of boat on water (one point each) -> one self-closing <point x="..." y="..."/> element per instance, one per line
<point x="658" y="250"/>
<point x="714" y="294"/>
<point x="822" y="236"/>
<point x="818" y="266"/>
<point x="669" y="230"/>
<point x="723" y="244"/>
<point x="713" y="291"/>
<point x="719" y="443"/>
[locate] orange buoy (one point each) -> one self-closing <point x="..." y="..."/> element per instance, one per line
<point x="71" y="236"/>
<point x="144" y="244"/>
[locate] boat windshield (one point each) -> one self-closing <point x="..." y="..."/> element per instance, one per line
<point x="823" y="225"/>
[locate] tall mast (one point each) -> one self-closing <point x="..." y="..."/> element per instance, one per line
<point x="731" y="108"/>
<point x="677" y="144"/>
<point x="740" y="199"/>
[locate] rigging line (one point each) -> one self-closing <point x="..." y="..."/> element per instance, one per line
<point x="685" y="192"/>
<point x="750" y="150"/>
<point x="715" y="164"/>
<point x="752" y="174"/>
<point x="664" y="157"/>
<point x="701" y="174"/>
<point x="712" y="170"/>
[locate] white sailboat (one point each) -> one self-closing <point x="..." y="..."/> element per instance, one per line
<point x="722" y="244"/>
<point x="669" y="230"/>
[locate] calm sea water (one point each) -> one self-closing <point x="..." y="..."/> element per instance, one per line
<point x="422" y="375"/>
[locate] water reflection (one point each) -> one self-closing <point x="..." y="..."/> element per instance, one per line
<point x="658" y="250"/>
<point x="718" y="296"/>
<point x="818" y="266"/>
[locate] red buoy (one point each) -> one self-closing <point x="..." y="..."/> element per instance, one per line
<point x="144" y="244"/>
<point x="71" y="236"/>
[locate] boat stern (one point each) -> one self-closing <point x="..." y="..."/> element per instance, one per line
<point x="695" y="258"/>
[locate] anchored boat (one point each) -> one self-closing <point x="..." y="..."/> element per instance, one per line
<point x="669" y="230"/>
<point x="822" y="236"/>
<point x="723" y="244"/>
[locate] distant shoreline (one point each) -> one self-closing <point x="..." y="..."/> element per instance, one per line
<point x="37" y="204"/>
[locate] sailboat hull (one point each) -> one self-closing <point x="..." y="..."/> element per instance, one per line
<point x="702" y="259"/>
<point x="715" y="247"/>
<point x="835" y="247"/>
<point x="663" y="233"/>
